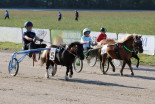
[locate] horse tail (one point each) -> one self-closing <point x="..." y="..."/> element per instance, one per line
<point x="43" y="58"/>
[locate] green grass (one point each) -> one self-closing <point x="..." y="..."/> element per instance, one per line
<point x="122" y="22"/>
<point x="145" y="60"/>
<point x="10" y="46"/>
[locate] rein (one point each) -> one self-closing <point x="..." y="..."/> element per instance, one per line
<point x="127" y="49"/>
<point x="64" y="49"/>
<point x="72" y="53"/>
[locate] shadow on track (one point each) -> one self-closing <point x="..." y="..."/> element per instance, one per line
<point x="135" y="76"/>
<point x="99" y="83"/>
<point x="144" y="69"/>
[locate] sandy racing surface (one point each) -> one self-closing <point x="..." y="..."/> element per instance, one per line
<point x="87" y="87"/>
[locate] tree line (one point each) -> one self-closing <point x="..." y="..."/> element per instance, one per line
<point x="80" y="4"/>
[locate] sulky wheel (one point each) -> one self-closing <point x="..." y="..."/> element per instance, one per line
<point x="13" y="71"/>
<point x="78" y="65"/>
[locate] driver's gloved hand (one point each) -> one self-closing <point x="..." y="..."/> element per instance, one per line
<point x="33" y="40"/>
<point x="41" y="40"/>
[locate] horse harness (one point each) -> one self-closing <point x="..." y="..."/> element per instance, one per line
<point x="116" y="49"/>
<point x="63" y="49"/>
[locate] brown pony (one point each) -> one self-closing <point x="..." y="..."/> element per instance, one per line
<point x="65" y="57"/>
<point x="122" y="50"/>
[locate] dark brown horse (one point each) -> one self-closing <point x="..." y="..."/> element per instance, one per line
<point x="65" y="57"/>
<point x="122" y="50"/>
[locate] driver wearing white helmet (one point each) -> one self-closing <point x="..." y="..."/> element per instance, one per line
<point x="86" y="39"/>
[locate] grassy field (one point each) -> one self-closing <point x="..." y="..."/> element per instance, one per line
<point x="10" y="46"/>
<point x="122" y="22"/>
<point x="145" y="60"/>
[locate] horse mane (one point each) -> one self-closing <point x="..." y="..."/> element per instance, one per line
<point x="104" y="42"/>
<point x="73" y="43"/>
<point x="124" y="39"/>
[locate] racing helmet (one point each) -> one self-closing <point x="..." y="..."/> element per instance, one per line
<point x="86" y="30"/>
<point x="28" y="23"/>
<point x="103" y="29"/>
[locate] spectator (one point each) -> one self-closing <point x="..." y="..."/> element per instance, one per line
<point x="6" y="14"/>
<point x="59" y="16"/>
<point x="76" y="15"/>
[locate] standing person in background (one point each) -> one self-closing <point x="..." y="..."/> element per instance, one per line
<point x="6" y="14"/>
<point x="59" y="16"/>
<point x="102" y="34"/>
<point x="76" y="15"/>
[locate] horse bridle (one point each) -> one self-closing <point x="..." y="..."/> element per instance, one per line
<point x="73" y="53"/>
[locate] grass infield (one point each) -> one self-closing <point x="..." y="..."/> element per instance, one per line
<point x="117" y="22"/>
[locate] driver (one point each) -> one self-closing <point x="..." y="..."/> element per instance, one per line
<point x="103" y="35"/>
<point x="30" y="38"/>
<point x="86" y="40"/>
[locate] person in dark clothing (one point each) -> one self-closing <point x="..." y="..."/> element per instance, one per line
<point x="76" y="15"/>
<point x="30" y="38"/>
<point x="6" y="14"/>
<point x="59" y="16"/>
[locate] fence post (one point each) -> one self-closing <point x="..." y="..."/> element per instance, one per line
<point x="117" y="35"/>
<point x="154" y="45"/>
<point x="22" y="35"/>
<point x="50" y="36"/>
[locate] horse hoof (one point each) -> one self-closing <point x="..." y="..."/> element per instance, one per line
<point x="132" y="74"/>
<point x="121" y="74"/>
<point x="46" y="76"/>
<point x="53" y="72"/>
<point x="104" y="73"/>
<point x="113" y="70"/>
<point x="66" y="78"/>
<point x="70" y="76"/>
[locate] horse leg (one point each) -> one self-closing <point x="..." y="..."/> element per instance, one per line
<point x="53" y="70"/>
<point x="121" y="71"/>
<point x="110" y="60"/>
<point x="136" y="57"/>
<point x="129" y="64"/>
<point x="71" y="71"/>
<point x="47" y="66"/>
<point x="67" y="71"/>
<point x="104" y="56"/>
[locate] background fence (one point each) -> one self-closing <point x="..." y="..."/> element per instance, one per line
<point x="11" y="34"/>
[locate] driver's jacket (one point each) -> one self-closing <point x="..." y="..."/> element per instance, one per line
<point x="85" y="39"/>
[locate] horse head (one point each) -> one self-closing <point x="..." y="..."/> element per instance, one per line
<point x="77" y="48"/>
<point x="137" y="44"/>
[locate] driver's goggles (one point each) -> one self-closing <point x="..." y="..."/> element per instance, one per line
<point x="87" y="33"/>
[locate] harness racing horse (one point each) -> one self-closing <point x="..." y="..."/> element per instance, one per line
<point x="65" y="57"/>
<point x="104" y="42"/>
<point x="123" y="50"/>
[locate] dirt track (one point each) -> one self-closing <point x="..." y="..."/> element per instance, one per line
<point x="87" y="87"/>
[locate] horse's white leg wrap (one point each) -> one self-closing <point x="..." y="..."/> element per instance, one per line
<point x="46" y="74"/>
<point x="66" y="78"/>
<point x="53" y="71"/>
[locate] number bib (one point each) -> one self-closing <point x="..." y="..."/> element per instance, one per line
<point x="104" y="49"/>
<point x="52" y="54"/>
